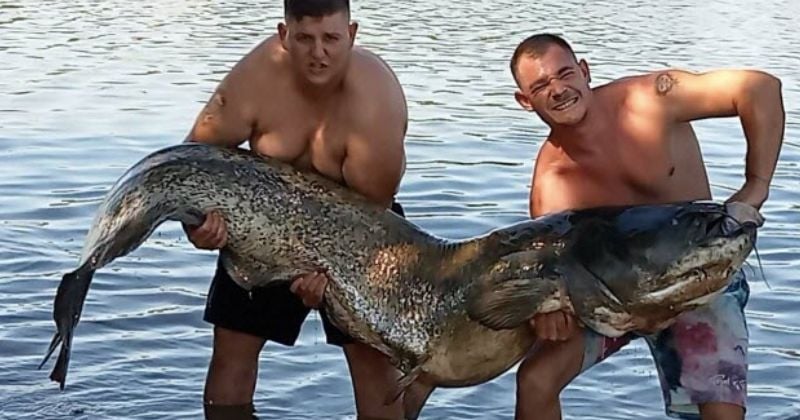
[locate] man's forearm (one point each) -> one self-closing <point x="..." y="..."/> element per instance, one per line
<point x="763" y="119"/>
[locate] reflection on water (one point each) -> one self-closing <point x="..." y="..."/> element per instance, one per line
<point x="88" y="88"/>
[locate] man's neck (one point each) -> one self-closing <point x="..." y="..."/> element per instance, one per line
<point x="320" y="94"/>
<point x="585" y="137"/>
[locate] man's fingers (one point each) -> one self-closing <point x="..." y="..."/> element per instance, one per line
<point x="297" y="285"/>
<point x="321" y="284"/>
<point x="554" y="326"/>
<point x="544" y="328"/>
<point x="560" y="323"/>
<point x="220" y="236"/>
<point x="310" y="288"/>
<point x="570" y="324"/>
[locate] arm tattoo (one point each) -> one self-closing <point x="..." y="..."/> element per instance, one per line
<point x="664" y="83"/>
<point x="214" y="107"/>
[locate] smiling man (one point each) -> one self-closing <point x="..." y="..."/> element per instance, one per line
<point x="631" y="142"/>
<point x="309" y="97"/>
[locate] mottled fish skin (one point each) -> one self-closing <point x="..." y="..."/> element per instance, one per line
<point x="420" y="299"/>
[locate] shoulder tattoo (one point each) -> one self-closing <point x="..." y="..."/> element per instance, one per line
<point x="664" y="83"/>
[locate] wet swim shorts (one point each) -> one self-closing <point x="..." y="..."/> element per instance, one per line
<point x="701" y="358"/>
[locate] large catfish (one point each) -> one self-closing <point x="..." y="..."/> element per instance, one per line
<point x="446" y="313"/>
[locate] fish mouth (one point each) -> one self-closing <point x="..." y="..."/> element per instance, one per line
<point x="678" y="290"/>
<point x="700" y="275"/>
<point x="691" y="281"/>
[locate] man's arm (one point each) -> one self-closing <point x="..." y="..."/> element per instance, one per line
<point x="559" y="325"/>
<point x="375" y="156"/>
<point x="227" y="119"/>
<point x="753" y="96"/>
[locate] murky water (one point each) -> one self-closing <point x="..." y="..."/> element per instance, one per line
<point x="87" y="88"/>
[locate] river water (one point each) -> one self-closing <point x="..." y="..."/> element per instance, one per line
<point x="87" y="88"/>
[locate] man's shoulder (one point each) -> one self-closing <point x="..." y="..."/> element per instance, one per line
<point x="627" y="85"/>
<point x="655" y="83"/>
<point x="636" y="93"/>
<point x="375" y="89"/>
<point x="264" y="58"/>
<point x="368" y="68"/>
<point x="547" y="159"/>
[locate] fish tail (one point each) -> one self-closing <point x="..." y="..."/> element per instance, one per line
<point x="67" y="311"/>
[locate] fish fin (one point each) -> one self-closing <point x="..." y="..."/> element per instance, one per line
<point x="505" y="306"/>
<point x="586" y="292"/>
<point x="404" y="382"/>
<point x="415" y="397"/>
<point x="67" y="309"/>
<point x="52" y="348"/>
<point x="503" y="299"/>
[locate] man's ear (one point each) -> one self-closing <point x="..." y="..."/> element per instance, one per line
<point x="282" y="32"/>
<point x="523" y="101"/>
<point x="353" y="28"/>
<point x="585" y="70"/>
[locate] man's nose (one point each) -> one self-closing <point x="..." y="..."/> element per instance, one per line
<point x="557" y="88"/>
<point x="318" y="50"/>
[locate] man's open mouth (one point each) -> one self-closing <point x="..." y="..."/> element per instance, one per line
<point x="566" y="104"/>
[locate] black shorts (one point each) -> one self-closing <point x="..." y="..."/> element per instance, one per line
<point x="271" y="312"/>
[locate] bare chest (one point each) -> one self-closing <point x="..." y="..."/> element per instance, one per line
<point x="629" y="171"/>
<point x="305" y="137"/>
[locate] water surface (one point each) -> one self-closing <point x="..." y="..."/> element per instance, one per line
<point x="88" y="88"/>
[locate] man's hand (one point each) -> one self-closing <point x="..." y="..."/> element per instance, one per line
<point x="754" y="192"/>
<point x="310" y="288"/>
<point x="554" y="326"/>
<point x="212" y="234"/>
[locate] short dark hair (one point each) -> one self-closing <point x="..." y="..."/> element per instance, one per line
<point x="535" y="46"/>
<point x="298" y="9"/>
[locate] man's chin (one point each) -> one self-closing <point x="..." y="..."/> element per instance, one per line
<point x="318" y="79"/>
<point x="572" y="118"/>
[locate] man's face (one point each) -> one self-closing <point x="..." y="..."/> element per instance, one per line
<point x="554" y="85"/>
<point x="319" y="47"/>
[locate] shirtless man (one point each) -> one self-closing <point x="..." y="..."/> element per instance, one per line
<point x="309" y="97"/>
<point x="630" y="142"/>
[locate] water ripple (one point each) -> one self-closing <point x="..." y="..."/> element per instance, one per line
<point x="91" y="87"/>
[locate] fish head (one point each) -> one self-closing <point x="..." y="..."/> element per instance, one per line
<point x="645" y="265"/>
<point x="692" y="257"/>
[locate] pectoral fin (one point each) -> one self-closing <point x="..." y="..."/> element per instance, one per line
<point x="593" y="302"/>
<point x="513" y="292"/>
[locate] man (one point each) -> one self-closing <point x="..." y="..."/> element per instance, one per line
<point x="306" y="96"/>
<point x="630" y="142"/>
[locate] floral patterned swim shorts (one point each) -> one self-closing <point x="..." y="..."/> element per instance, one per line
<point x="701" y="358"/>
